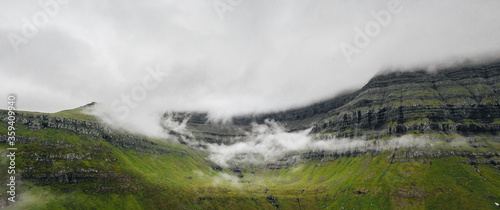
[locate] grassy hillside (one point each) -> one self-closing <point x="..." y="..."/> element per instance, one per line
<point x="65" y="169"/>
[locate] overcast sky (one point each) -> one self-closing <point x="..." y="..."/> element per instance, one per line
<point x="224" y="56"/>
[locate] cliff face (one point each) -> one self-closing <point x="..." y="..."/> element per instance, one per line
<point x="57" y="150"/>
<point x="462" y="100"/>
<point x="293" y="120"/>
<point x="458" y="100"/>
<point x="81" y="159"/>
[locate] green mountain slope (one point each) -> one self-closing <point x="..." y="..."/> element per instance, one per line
<point x="63" y="169"/>
<point x="459" y="100"/>
<point x="68" y="160"/>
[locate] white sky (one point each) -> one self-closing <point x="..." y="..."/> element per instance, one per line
<point x="262" y="56"/>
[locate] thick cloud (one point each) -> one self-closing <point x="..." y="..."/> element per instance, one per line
<point x="244" y="56"/>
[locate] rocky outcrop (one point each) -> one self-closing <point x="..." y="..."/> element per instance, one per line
<point x="463" y="100"/>
<point x="36" y="122"/>
<point x="229" y="132"/>
<point x="58" y="150"/>
<point x="459" y="100"/>
<point x="58" y="162"/>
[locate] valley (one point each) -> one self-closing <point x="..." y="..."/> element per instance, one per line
<point x="406" y="140"/>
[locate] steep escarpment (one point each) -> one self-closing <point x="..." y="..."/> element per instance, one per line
<point x="456" y="100"/>
<point x="462" y="100"/>
<point x="57" y="150"/>
<point x="68" y="160"/>
<point x="226" y="133"/>
<point x="94" y="130"/>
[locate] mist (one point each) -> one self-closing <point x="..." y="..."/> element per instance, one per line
<point x="256" y="57"/>
<point x="269" y="142"/>
<point x="264" y="143"/>
<point x="140" y="61"/>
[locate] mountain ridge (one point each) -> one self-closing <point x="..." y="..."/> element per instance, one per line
<point x="369" y="111"/>
<point x="70" y="160"/>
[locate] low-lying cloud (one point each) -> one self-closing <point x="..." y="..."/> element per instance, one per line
<point x="268" y="142"/>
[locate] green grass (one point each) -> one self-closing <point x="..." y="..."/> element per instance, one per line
<point x="184" y="179"/>
<point x="79" y="113"/>
<point x="419" y="120"/>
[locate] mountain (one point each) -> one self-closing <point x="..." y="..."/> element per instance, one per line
<point x="463" y="100"/>
<point x="407" y="140"/>
<point x="458" y="100"/>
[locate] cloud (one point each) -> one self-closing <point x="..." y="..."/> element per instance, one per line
<point x="269" y="142"/>
<point x="262" y="56"/>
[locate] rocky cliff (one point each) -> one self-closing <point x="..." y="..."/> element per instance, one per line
<point x="455" y="100"/>
<point x="57" y="150"/>
<point x="67" y="160"/>
<point x="461" y="100"/>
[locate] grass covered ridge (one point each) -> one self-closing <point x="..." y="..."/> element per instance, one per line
<point x="183" y="178"/>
